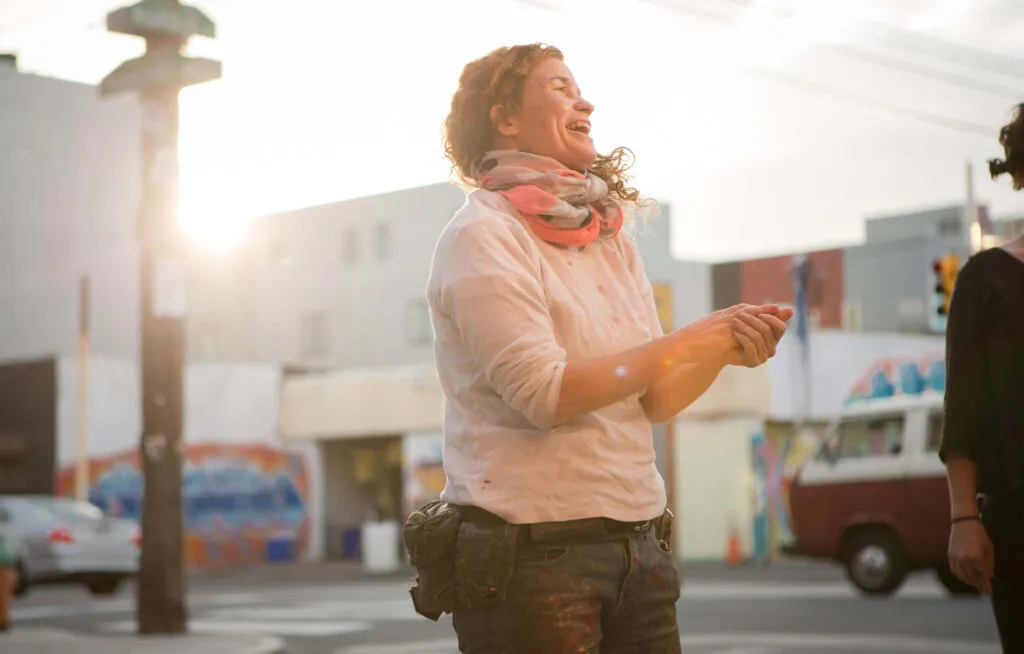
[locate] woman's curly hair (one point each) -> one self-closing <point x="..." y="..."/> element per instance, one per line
<point x="1011" y="137"/>
<point x="500" y="79"/>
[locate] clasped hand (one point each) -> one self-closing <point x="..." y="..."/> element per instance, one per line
<point x="742" y="335"/>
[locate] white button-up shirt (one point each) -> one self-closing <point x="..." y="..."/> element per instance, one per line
<point x="509" y="311"/>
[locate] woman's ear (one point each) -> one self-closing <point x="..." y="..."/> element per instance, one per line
<point x="506" y="126"/>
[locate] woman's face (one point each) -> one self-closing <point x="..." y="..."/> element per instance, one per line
<point x="553" y="121"/>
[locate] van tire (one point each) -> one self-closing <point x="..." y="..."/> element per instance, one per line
<point x="875" y="561"/>
<point x="952" y="583"/>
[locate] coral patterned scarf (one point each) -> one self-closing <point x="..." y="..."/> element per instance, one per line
<point x="561" y="206"/>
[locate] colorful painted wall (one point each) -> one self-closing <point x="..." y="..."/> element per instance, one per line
<point x="247" y="497"/>
<point x="778" y="456"/>
<point x="242" y="503"/>
<point x="896" y="376"/>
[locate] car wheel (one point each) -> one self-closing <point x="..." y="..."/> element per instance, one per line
<point x="875" y="562"/>
<point x="104" y="586"/>
<point x="952" y="583"/>
<point x="21" y="583"/>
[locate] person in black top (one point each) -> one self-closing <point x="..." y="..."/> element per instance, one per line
<point x="983" y="433"/>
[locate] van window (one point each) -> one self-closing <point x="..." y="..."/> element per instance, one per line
<point x="870" y="437"/>
<point x="935" y="421"/>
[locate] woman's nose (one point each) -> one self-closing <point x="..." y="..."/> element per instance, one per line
<point x="584" y="106"/>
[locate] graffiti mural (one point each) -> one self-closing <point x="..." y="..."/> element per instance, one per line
<point x="242" y="503"/>
<point x="783" y="456"/>
<point x="896" y="376"/>
<point x="761" y="517"/>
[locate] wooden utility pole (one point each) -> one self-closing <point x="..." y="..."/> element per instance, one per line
<point x="82" y="448"/>
<point x="158" y="76"/>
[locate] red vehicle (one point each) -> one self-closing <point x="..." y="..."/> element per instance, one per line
<point x="875" y="498"/>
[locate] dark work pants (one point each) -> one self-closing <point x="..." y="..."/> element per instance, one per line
<point x="1008" y="585"/>
<point x="614" y="596"/>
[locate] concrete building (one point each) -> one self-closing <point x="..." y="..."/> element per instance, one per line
<point x="884" y="284"/>
<point x="341" y="285"/>
<point x="70" y="186"/>
<point x="69" y="189"/>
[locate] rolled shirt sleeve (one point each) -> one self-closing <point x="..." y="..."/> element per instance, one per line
<point x="490" y="289"/>
<point x="966" y="399"/>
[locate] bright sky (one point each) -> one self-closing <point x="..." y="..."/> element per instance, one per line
<point x="326" y="100"/>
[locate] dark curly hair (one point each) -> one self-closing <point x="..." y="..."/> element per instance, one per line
<point x="499" y="78"/>
<point x="1011" y="137"/>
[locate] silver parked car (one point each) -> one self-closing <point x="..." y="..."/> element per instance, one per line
<point x="57" y="540"/>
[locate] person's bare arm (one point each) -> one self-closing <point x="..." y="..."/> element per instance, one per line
<point x="966" y="420"/>
<point x="491" y="291"/>
<point x="971" y="555"/>
<point x="756" y="338"/>
<point x="961" y="475"/>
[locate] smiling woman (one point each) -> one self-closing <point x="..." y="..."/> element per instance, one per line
<point x="554" y="365"/>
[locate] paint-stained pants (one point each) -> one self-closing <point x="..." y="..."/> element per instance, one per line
<point x="614" y="596"/>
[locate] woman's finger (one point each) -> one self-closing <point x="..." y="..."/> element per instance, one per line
<point x="777" y="326"/>
<point x="763" y="330"/>
<point x="749" y="349"/>
<point x="759" y="348"/>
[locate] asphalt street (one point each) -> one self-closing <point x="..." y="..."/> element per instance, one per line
<point x="746" y="611"/>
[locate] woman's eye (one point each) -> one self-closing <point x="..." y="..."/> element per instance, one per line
<point x="563" y="89"/>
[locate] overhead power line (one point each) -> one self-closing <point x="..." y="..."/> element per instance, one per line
<point x="837" y="92"/>
<point x="933" y="46"/>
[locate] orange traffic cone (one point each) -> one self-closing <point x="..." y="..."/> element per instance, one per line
<point x="733" y="550"/>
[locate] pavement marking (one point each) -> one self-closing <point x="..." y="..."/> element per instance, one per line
<point x="446" y="646"/>
<point x="276" y="628"/>
<point x="107" y="607"/>
<point x="698" y="591"/>
<point x="855" y="643"/>
<point x="749" y="643"/>
<point x="376" y="610"/>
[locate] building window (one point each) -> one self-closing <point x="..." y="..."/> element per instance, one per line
<point x="935" y="424"/>
<point x="949" y="227"/>
<point x="417" y="323"/>
<point x="350" y="247"/>
<point x="314" y="336"/>
<point x="382" y="237"/>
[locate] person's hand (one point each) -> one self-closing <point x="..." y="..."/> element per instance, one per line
<point x="758" y="337"/>
<point x="713" y="337"/>
<point x="971" y="555"/>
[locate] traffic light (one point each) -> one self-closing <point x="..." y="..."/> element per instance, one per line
<point x="946" y="269"/>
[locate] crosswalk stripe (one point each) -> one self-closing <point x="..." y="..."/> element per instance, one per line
<point x="321" y="628"/>
<point x="446" y="646"/>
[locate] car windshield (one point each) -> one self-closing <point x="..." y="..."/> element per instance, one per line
<point x="67" y="510"/>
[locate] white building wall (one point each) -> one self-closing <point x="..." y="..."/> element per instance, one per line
<point x="715" y="490"/>
<point x="333" y="286"/>
<point x="69" y="189"/>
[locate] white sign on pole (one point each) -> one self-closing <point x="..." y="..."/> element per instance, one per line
<point x="169" y="288"/>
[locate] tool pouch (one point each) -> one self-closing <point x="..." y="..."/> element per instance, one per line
<point x="485" y="558"/>
<point x="430" y="534"/>
<point x="663" y="530"/>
